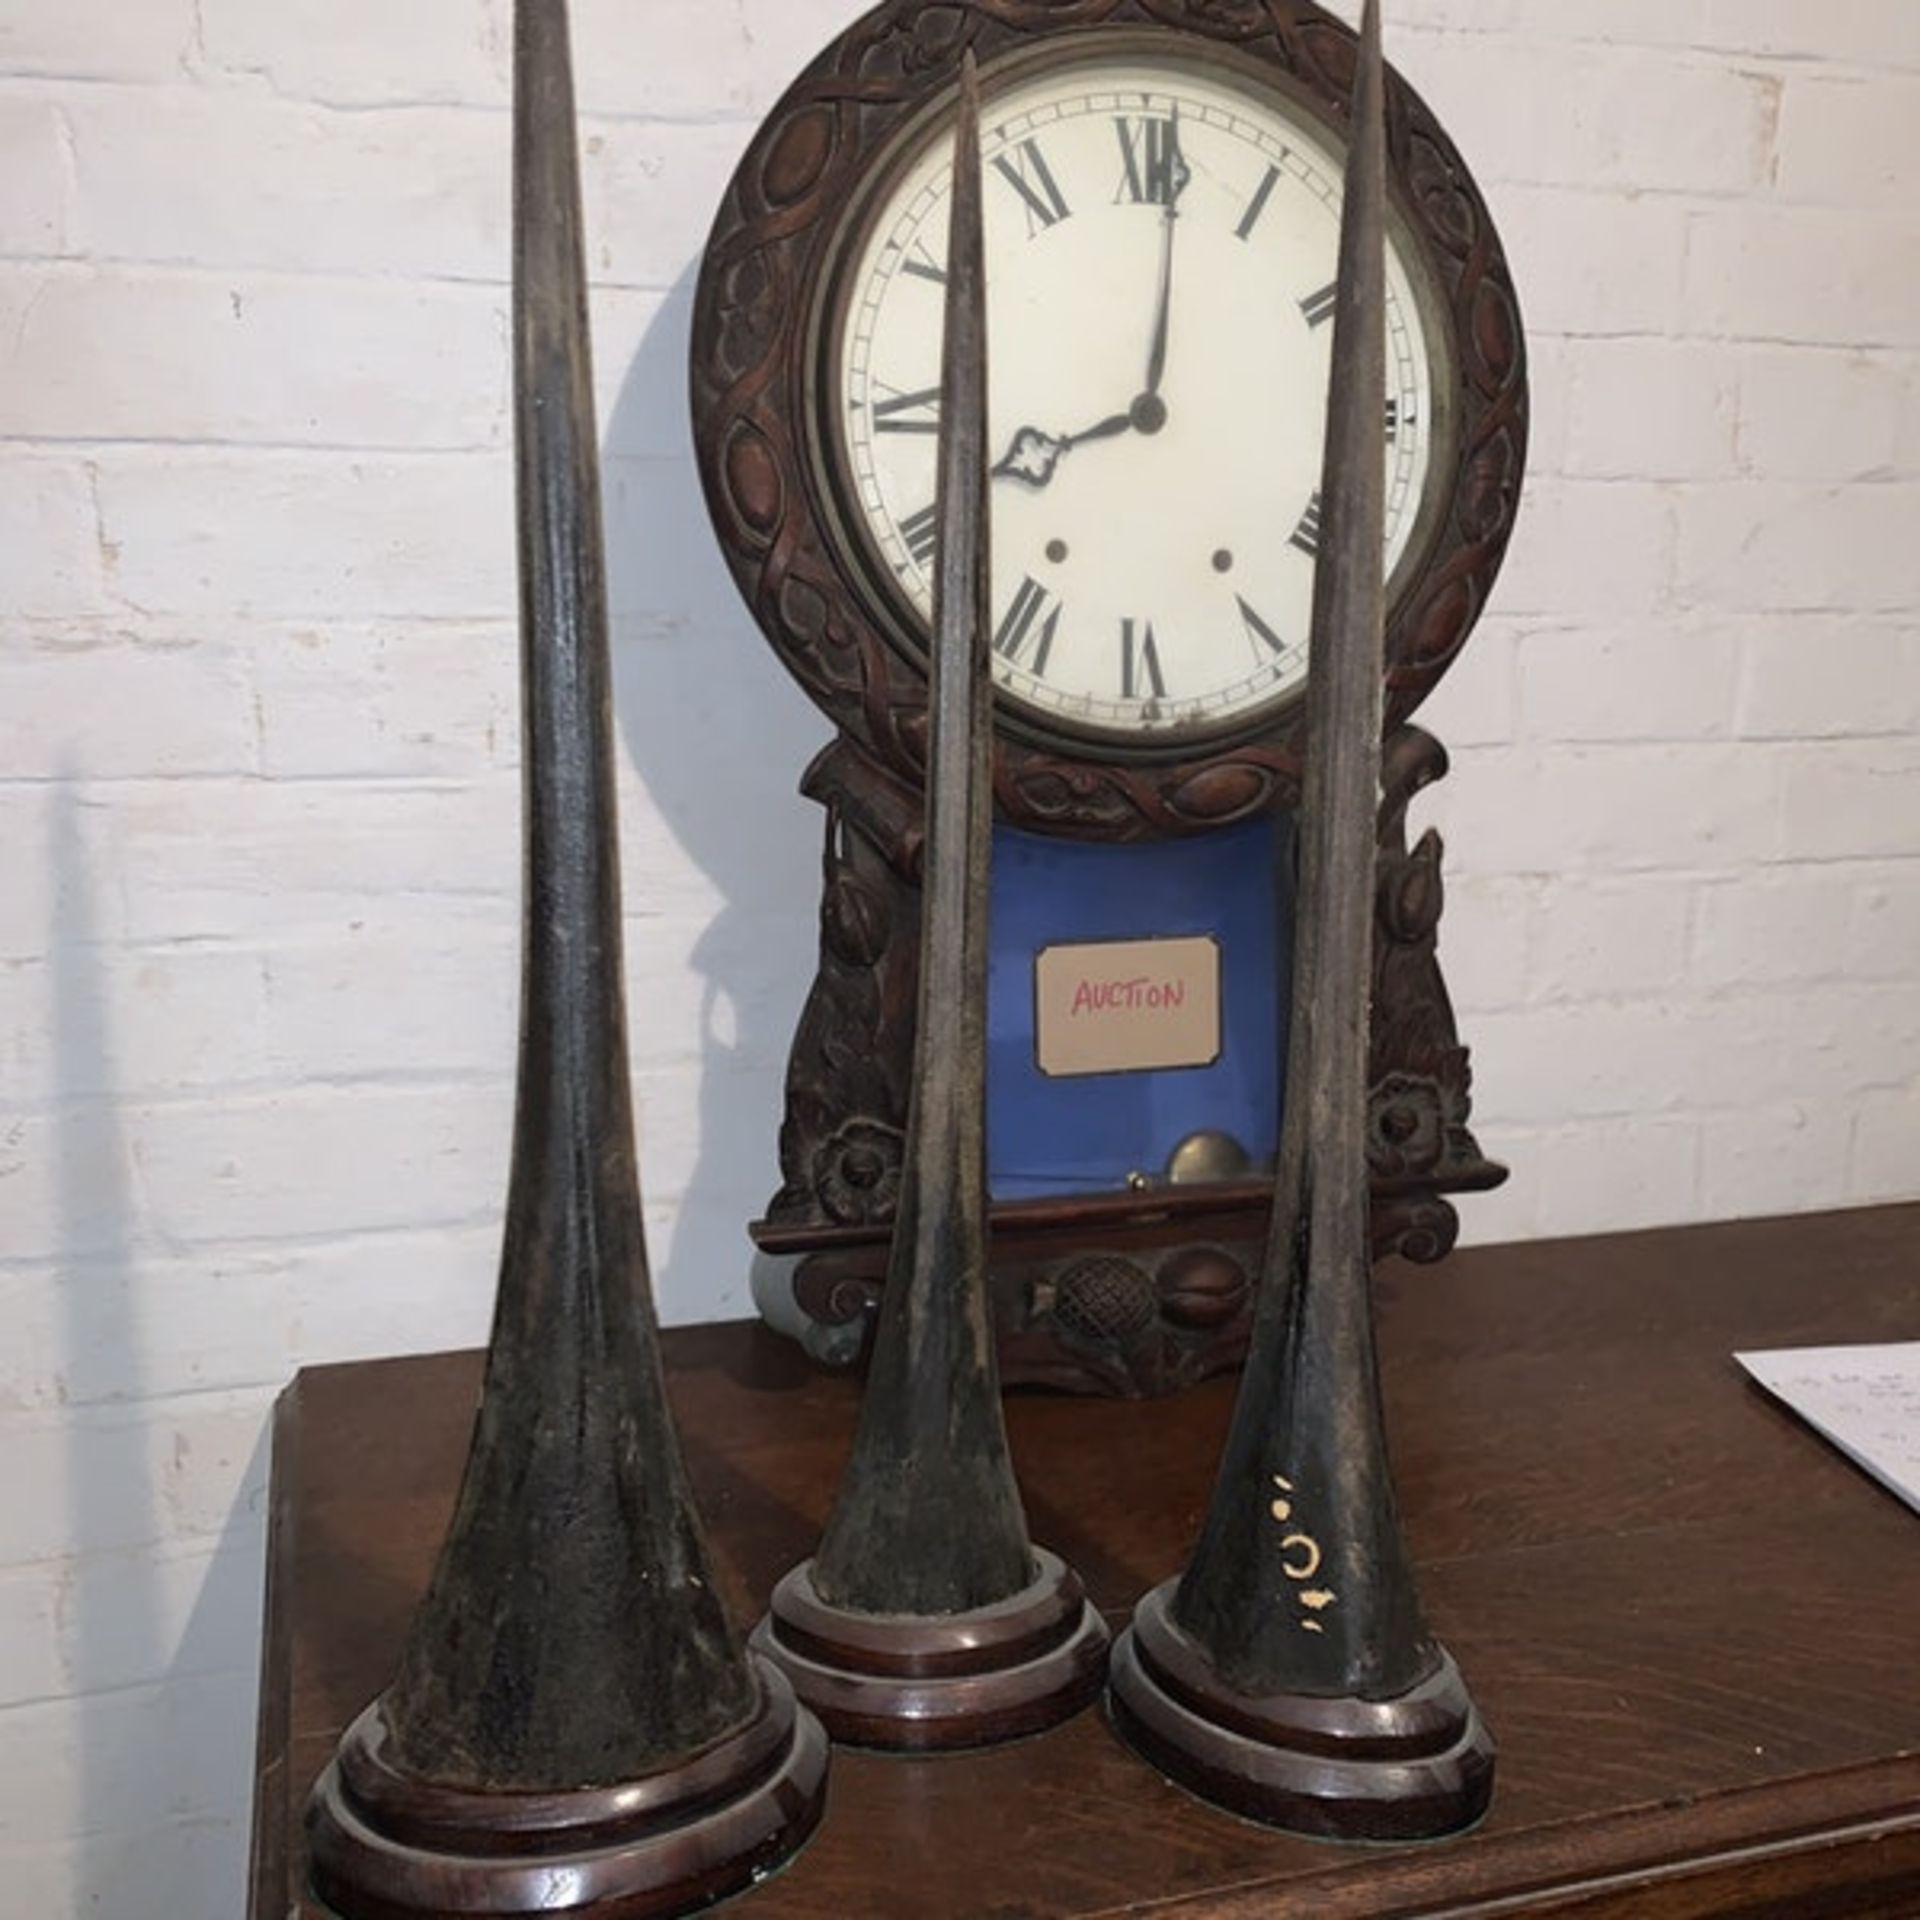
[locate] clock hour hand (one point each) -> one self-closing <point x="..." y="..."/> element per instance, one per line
<point x="1034" y="455"/>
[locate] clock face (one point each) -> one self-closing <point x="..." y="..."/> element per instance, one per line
<point x="1161" y="242"/>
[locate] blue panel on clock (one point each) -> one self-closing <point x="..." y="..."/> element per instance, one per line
<point x="1087" y="1134"/>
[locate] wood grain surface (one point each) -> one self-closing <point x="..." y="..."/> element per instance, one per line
<point x="1693" y="1627"/>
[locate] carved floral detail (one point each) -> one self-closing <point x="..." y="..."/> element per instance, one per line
<point x="857" y="1172"/>
<point x="1406" y="1126"/>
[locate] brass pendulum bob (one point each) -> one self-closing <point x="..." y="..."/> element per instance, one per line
<point x="1288" y="1675"/>
<point x="575" y="1727"/>
<point x="927" y="1619"/>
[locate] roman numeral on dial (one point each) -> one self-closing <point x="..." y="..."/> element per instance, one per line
<point x="920" y="531"/>
<point x="1150" y="155"/>
<point x="1318" y="307"/>
<point x="1033" y="616"/>
<point x="919" y="261"/>
<point x="1140" y="662"/>
<point x="1306" y="536"/>
<point x="1257" y="205"/>
<point x="1258" y="630"/>
<point x="906" y="412"/>
<point x="1026" y="171"/>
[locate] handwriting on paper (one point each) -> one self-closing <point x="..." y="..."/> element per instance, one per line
<point x="1866" y="1400"/>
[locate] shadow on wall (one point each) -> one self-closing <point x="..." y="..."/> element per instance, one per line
<point x="158" y="1635"/>
<point x="719" y="737"/>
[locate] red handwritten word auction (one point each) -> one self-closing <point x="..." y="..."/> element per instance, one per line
<point x="1128" y="996"/>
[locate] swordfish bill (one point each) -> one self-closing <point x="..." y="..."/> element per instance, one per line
<point x="1297" y="1615"/>
<point x="572" y="1699"/>
<point x="925" y="1567"/>
<point x="929" y="1518"/>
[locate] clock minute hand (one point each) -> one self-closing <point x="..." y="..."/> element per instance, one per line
<point x="1179" y="174"/>
<point x="1034" y="455"/>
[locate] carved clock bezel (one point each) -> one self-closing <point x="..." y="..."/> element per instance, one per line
<point x="825" y="423"/>
<point x="756" y="390"/>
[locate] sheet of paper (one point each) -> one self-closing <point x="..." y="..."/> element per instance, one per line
<point x="1866" y="1400"/>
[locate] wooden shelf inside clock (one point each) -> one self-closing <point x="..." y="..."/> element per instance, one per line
<point x="1137" y="1294"/>
<point x="1229" y="1204"/>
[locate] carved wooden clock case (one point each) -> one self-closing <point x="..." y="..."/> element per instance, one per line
<point x="1132" y="126"/>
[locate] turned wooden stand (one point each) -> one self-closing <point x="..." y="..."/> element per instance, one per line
<point x="1693" y="1628"/>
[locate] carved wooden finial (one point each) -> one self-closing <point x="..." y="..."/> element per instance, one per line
<point x="1289" y="1673"/>
<point x="573" y="1707"/>
<point x="925" y="1567"/>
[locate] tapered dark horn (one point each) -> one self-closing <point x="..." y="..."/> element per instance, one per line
<point x="576" y="1727"/>
<point x="927" y="1619"/>
<point x="1289" y="1674"/>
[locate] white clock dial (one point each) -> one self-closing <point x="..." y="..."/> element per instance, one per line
<point x="1161" y="252"/>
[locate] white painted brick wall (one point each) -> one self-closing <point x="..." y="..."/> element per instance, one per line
<point x="259" y="748"/>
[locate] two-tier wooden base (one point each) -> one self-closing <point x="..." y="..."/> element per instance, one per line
<point x="386" y="1845"/>
<point x="919" y="1684"/>
<point x="1412" y="1768"/>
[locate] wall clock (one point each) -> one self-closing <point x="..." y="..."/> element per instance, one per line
<point x="1163" y="183"/>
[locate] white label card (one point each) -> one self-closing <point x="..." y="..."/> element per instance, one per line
<point x="1127" y="1006"/>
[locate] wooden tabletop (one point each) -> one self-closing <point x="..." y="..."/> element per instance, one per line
<point x="1692" y="1625"/>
